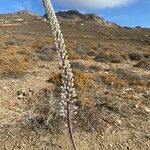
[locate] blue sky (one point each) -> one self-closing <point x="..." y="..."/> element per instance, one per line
<point x="123" y="12"/>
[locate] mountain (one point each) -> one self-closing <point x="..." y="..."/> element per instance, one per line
<point x="111" y="67"/>
<point x="76" y="16"/>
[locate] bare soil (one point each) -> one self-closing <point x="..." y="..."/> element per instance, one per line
<point x="113" y="94"/>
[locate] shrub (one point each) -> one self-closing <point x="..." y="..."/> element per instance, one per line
<point x="73" y="55"/>
<point x="14" y="67"/>
<point x="40" y="110"/>
<point x="136" y="56"/>
<point x="46" y="53"/>
<point x="83" y="53"/>
<point x="108" y="56"/>
<point x="112" y="80"/>
<point x="82" y="80"/>
<point x="78" y="65"/>
<point x="95" y="68"/>
<point x="83" y="83"/>
<point x="92" y="53"/>
<point x="132" y="79"/>
<point x="55" y="78"/>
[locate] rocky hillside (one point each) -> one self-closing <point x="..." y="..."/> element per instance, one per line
<point x="78" y="17"/>
<point x="111" y="66"/>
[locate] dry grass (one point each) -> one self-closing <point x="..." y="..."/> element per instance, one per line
<point x="113" y="97"/>
<point x="109" y="56"/>
<point x="13" y="65"/>
<point x="83" y="82"/>
<point x="133" y="79"/>
<point x="112" y="80"/>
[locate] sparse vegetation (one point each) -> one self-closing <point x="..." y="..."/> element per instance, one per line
<point x="83" y="82"/>
<point x="112" y="91"/>
<point x="95" y="67"/>
<point x="132" y="79"/>
<point x="136" y="56"/>
<point x="78" y="65"/>
<point x="112" y="80"/>
<point x="46" y="53"/>
<point x="109" y="56"/>
<point x="13" y="66"/>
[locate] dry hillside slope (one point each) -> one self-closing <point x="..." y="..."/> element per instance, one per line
<point x="111" y="65"/>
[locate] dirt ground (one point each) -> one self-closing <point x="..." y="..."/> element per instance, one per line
<point x="113" y="89"/>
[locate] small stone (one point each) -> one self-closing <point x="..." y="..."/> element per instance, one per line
<point x="75" y="122"/>
<point x="119" y="121"/>
<point x="110" y="145"/>
<point x="137" y="106"/>
<point x="147" y="109"/>
<point x="129" y="89"/>
<point x="112" y="83"/>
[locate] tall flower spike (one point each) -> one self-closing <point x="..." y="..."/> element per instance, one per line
<point x="68" y="92"/>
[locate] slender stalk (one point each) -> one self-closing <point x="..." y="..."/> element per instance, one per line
<point x="68" y="93"/>
<point x="70" y="128"/>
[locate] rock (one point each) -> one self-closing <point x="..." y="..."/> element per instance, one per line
<point x="119" y="121"/>
<point x="24" y="93"/>
<point x="111" y="145"/>
<point x="129" y="89"/>
<point x="147" y="109"/>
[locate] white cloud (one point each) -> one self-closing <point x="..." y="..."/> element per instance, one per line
<point x="94" y="4"/>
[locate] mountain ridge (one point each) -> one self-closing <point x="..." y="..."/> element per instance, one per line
<point x="74" y="16"/>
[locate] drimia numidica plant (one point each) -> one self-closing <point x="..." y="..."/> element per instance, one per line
<point x="68" y="94"/>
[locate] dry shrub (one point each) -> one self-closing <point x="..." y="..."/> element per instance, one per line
<point x="78" y="65"/>
<point x="109" y="56"/>
<point x="55" y="78"/>
<point x="95" y="67"/>
<point x="14" y="67"/>
<point x="133" y="79"/>
<point x="112" y="80"/>
<point x="82" y="53"/>
<point x="40" y="111"/>
<point x="83" y="83"/>
<point x="86" y="99"/>
<point x="92" y="52"/>
<point x="73" y="55"/>
<point x="86" y="57"/>
<point x="46" y="53"/>
<point x="139" y="81"/>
